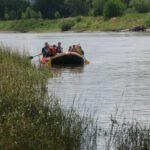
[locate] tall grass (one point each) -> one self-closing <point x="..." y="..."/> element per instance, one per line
<point x="29" y="118"/>
<point x="132" y="136"/>
<point x="128" y="136"/>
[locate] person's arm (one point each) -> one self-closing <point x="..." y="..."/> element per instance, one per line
<point x="43" y="52"/>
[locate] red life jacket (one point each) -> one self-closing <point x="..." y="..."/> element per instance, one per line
<point x="52" y="51"/>
<point x="43" y="60"/>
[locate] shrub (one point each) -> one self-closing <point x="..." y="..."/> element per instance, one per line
<point x="113" y="8"/>
<point x="140" y="5"/>
<point x="79" y="19"/>
<point x="147" y="20"/>
<point x="67" y="25"/>
<point x="130" y="10"/>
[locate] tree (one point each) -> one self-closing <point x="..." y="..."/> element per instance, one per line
<point x="39" y="15"/>
<point x="57" y="15"/>
<point x="126" y="1"/>
<point x="48" y="8"/>
<point x="141" y="6"/>
<point x="78" y="7"/>
<point x="15" y="8"/>
<point x="30" y="14"/>
<point x="98" y="6"/>
<point x="6" y="16"/>
<point x="113" y="8"/>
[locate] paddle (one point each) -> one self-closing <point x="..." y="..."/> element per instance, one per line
<point x="31" y="57"/>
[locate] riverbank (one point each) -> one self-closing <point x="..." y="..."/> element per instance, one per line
<point x="29" y="118"/>
<point x="77" y="24"/>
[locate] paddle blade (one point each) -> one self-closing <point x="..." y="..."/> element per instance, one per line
<point x="30" y="57"/>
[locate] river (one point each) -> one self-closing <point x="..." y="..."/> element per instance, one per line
<point x="117" y="77"/>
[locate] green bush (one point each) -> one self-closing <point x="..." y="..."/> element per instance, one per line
<point x="67" y="25"/>
<point x="79" y="19"/>
<point x="141" y="6"/>
<point x="113" y="8"/>
<point x="130" y="10"/>
<point x="147" y="20"/>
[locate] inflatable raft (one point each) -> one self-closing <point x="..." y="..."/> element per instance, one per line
<point x="70" y="58"/>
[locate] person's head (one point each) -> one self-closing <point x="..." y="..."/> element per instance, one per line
<point x="59" y="43"/>
<point x="54" y="46"/>
<point x="46" y="44"/>
<point x="74" y="46"/>
<point x="78" y="46"/>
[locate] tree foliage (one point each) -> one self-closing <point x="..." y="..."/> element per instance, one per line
<point x="98" y="6"/>
<point x="113" y="8"/>
<point x="140" y="5"/>
<point x="14" y="8"/>
<point x="53" y="9"/>
<point x="78" y="7"/>
<point x="48" y="8"/>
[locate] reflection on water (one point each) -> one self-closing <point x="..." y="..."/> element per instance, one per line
<point x="57" y="70"/>
<point x="119" y="73"/>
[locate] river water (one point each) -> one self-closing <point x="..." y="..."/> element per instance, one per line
<point x="117" y="77"/>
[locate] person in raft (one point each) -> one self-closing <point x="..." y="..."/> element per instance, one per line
<point x="49" y="51"/>
<point x="70" y="49"/>
<point x="59" y="48"/>
<point x="44" y="49"/>
<point x="79" y="49"/>
<point x="76" y="48"/>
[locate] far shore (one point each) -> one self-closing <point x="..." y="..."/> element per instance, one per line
<point x="85" y="31"/>
<point x="127" y="23"/>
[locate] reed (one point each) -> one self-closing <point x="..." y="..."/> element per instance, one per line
<point x="132" y="136"/>
<point x="127" y="135"/>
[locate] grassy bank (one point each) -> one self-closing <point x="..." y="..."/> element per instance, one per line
<point x="77" y="24"/>
<point x="29" y="119"/>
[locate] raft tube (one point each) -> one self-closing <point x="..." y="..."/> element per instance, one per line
<point x="70" y="58"/>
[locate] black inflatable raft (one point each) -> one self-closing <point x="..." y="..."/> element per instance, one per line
<point x="70" y="58"/>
